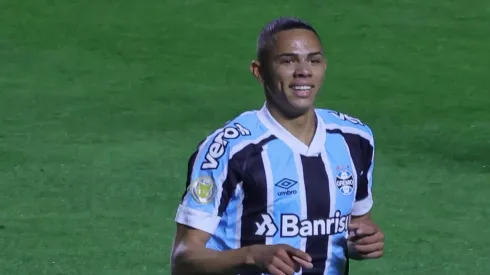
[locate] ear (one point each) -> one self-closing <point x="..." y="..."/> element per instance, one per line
<point x="255" y="69"/>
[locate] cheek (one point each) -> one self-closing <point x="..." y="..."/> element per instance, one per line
<point x="318" y="69"/>
<point x="284" y="76"/>
<point x="319" y="72"/>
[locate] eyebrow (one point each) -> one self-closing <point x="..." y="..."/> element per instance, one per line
<point x="294" y="55"/>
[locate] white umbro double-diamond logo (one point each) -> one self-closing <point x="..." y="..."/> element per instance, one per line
<point x="267" y="227"/>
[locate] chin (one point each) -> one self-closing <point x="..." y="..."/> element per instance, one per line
<point x="294" y="107"/>
<point x="296" y="110"/>
<point x="303" y="105"/>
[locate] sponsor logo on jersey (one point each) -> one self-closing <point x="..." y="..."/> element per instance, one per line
<point x="347" y="118"/>
<point x="267" y="227"/>
<point x="344" y="181"/>
<point x="217" y="149"/>
<point x="291" y="225"/>
<point x="286" y="184"/>
<point x="203" y="189"/>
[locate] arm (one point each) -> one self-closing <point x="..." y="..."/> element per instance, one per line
<point x="212" y="178"/>
<point x="364" y="218"/>
<point x="191" y="257"/>
<point x="211" y="182"/>
<point x="357" y="225"/>
<point x="366" y="241"/>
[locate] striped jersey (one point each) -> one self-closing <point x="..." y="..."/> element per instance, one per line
<point x="252" y="182"/>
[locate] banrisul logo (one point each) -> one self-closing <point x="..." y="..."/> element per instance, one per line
<point x="286" y="185"/>
<point x="217" y="149"/>
<point x="290" y="225"/>
<point x="266" y="227"/>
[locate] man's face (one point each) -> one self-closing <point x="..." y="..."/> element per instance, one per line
<point x="294" y="71"/>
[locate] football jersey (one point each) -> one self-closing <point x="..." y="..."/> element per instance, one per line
<point x="252" y="182"/>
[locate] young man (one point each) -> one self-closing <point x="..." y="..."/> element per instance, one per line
<point x="285" y="189"/>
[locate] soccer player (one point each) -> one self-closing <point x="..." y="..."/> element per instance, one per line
<point x="285" y="189"/>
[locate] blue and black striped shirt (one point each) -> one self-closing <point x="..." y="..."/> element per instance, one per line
<point x="252" y="182"/>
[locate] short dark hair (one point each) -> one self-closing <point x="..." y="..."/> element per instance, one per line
<point x="266" y="36"/>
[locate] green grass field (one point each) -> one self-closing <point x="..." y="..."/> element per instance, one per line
<point x="102" y="102"/>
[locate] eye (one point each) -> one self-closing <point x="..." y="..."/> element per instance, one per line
<point x="316" y="61"/>
<point x="286" y="61"/>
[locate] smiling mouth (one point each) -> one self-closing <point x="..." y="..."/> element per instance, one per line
<point x="302" y="90"/>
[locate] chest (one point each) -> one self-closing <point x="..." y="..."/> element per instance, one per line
<point x="281" y="182"/>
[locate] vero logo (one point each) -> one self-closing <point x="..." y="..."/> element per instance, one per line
<point x="286" y="184"/>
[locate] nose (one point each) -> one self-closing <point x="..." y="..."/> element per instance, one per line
<point x="302" y="70"/>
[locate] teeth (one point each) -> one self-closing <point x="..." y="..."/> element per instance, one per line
<point x="302" y="88"/>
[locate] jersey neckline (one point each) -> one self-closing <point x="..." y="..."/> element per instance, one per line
<point x="317" y="144"/>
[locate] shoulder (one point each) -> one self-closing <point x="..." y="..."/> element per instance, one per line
<point x="335" y="121"/>
<point x="234" y="135"/>
<point x="245" y="126"/>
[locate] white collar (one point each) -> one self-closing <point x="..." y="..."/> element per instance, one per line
<point x="317" y="145"/>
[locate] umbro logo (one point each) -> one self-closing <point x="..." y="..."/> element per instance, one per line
<point x="286" y="184"/>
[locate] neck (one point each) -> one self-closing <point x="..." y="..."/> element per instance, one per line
<point x="303" y="127"/>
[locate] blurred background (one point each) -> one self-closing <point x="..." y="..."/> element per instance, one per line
<point x="102" y="102"/>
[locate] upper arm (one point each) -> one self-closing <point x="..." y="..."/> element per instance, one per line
<point x="364" y="197"/>
<point x="189" y="235"/>
<point x="211" y="180"/>
<point x="186" y="237"/>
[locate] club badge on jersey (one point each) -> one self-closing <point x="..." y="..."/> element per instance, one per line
<point x="345" y="181"/>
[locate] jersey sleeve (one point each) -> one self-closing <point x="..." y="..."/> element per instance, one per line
<point x="364" y="197"/>
<point x="211" y="180"/>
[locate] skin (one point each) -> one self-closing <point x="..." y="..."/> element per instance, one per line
<point x="295" y="58"/>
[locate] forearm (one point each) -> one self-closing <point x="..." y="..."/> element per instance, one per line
<point x="204" y="261"/>
<point x="366" y="240"/>
<point x="351" y="248"/>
